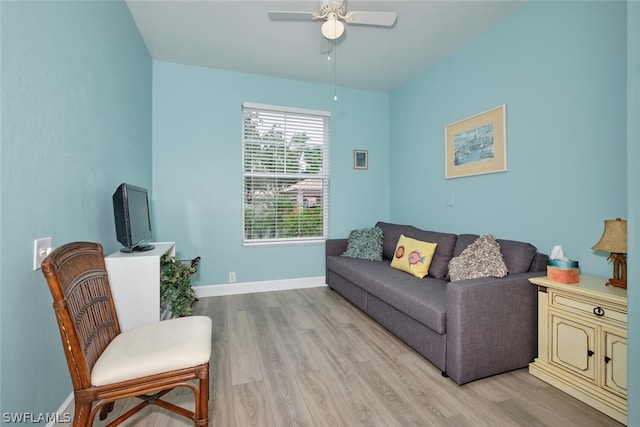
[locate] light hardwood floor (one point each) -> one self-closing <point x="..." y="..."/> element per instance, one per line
<point x="309" y="358"/>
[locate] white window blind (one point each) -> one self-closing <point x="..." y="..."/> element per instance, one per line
<point x="285" y="187"/>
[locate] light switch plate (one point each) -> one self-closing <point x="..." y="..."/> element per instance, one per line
<point x="41" y="248"/>
<point x="450" y="200"/>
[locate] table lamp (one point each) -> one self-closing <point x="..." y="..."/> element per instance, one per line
<point x="614" y="241"/>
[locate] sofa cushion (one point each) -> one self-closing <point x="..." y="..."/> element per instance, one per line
<point x="365" y="243"/>
<point x="390" y="234"/>
<point x="462" y="242"/>
<point x="518" y="256"/>
<point x="360" y="272"/>
<point x="444" y="251"/>
<point x="482" y="258"/>
<point x="413" y="256"/>
<point x="422" y="299"/>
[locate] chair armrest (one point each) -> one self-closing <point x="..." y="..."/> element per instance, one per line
<point x="492" y="326"/>
<point x="335" y="246"/>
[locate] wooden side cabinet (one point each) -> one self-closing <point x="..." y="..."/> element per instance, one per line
<point x="582" y="342"/>
<point x="135" y="284"/>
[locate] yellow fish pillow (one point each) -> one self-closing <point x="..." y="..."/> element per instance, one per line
<point x="413" y="256"/>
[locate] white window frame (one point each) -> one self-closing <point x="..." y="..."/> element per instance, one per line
<point x="289" y="121"/>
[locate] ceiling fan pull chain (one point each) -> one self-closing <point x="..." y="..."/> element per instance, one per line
<point x="335" y="71"/>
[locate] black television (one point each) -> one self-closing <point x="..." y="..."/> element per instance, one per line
<point x="131" y="214"/>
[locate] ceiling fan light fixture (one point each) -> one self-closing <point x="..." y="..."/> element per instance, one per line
<point x="332" y="29"/>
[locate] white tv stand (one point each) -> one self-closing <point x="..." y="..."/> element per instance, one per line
<point x="135" y="284"/>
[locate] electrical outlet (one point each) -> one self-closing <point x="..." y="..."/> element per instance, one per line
<point x="232" y="277"/>
<point x="41" y="248"/>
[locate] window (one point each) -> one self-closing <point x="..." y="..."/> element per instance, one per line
<point x="285" y="175"/>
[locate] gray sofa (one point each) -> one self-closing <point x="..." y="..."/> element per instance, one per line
<point x="469" y="329"/>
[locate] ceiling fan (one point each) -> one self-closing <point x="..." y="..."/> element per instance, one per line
<point x="334" y="12"/>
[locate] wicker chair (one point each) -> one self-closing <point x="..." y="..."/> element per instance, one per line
<point x="106" y="364"/>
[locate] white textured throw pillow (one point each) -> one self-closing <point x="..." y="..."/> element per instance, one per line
<point x="482" y="258"/>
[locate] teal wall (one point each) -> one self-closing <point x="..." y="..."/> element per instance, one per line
<point x="633" y="179"/>
<point x="560" y="68"/>
<point x="197" y="167"/>
<point x="569" y="74"/>
<point x="1" y="239"/>
<point x="76" y="121"/>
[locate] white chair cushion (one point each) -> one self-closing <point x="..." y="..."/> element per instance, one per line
<point x="154" y="348"/>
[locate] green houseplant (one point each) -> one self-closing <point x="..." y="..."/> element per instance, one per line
<point x="176" y="294"/>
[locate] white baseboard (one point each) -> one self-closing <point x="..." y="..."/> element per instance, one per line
<point x="67" y="406"/>
<point x="253" y="287"/>
<point x="65" y="413"/>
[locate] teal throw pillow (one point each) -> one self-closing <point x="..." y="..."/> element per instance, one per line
<point x="365" y="243"/>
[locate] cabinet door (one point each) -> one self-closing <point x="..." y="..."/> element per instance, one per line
<point x="615" y="378"/>
<point x="572" y="345"/>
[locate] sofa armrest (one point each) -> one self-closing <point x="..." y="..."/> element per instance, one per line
<point x="492" y="326"/>
<point x="539" y="263"/>
<point x="335" y="246"/>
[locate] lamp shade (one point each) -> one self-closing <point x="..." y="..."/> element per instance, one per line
<point x="614" y="237"/>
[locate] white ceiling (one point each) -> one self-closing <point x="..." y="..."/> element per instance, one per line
<point x="239" y="36"/>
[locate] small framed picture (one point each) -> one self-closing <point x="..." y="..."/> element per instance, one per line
<point x="360" y="159"/>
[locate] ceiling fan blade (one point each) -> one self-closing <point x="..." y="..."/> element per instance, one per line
<point x="385" y="19"/>
<point x="290" y="16"/>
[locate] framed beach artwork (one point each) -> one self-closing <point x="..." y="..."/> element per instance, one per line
<point x="360" y="159"/>
<point x="477" y="145"/>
